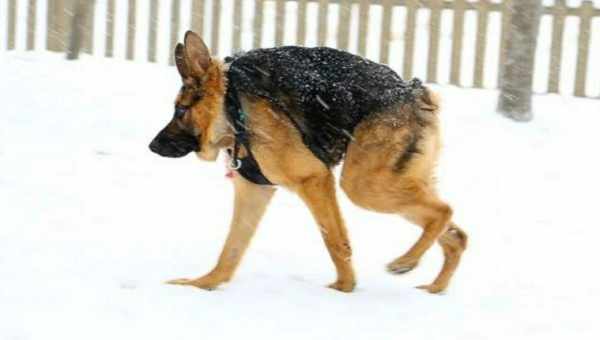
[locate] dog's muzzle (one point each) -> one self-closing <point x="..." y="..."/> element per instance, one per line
<point x="179" y="145"/>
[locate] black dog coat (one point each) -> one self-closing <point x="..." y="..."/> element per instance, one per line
<point x="323" y="91"/>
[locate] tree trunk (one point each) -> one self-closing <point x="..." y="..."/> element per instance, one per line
<point x="517" y="72"/>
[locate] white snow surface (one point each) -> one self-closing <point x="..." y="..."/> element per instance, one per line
<point x="92" y="224"/>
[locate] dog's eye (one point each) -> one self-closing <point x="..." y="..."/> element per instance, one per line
<point x="180" y="111"/>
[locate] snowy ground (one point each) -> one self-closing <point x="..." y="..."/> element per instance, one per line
<point x="92" y="224"/>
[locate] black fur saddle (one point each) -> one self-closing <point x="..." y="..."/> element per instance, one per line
<point x="324" y="92"/>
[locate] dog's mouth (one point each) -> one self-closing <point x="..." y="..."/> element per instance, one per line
<point x="174" y="146"/>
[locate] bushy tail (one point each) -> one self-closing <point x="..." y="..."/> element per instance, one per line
<point x="429" y="101"/>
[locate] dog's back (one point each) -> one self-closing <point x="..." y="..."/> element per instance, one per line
<point x="293" y="111"/>
<point x="324" y="92"/>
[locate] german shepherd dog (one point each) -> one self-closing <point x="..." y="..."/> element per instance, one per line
<point x="286" y="116"/>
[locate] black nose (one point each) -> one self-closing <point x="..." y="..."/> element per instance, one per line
<point x="154" y="146"/>
<point x="174" y="146"/>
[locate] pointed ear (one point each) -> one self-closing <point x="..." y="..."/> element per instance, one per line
<point x="197" y="54"/>
<point x="182" y="66"/>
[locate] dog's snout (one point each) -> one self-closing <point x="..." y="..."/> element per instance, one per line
<point x="154" y="146"/>
<point x="178" y="145"/>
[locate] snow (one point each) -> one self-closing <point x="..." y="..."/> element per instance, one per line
<point x="92" y="224"/>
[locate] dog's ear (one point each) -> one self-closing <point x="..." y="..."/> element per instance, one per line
<point x="197" y="54"/>
<point x="182" y="66"/>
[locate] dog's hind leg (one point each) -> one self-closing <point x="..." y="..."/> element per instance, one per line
<point x="251" y="201"/>
<point x="433" y="215"/>
<point x="453" y="242"/>
<point x="389" y="168"/>
<point x="318" y="192"/>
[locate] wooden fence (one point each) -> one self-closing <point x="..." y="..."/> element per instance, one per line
<point x="57" y="30"/>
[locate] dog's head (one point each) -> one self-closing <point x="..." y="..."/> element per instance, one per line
<point x="198" y="105"/>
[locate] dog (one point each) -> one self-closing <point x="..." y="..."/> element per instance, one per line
<point x="287" y="116"/>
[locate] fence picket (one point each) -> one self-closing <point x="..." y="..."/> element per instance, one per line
<point x="344" y="16"/>
<point x="386" y="31"/>
<point x="175" y="10"/>
<point x="152" y="30"/>
<point x="31" y="21"/>
<point x="409" y="38"/>
<point x="258" y="23"/>
<point x="130" y="51"/>
<point x="558" y="28"/>
<point x="236" y="39"/>
<point x="216" y="27"/>
<point x="88" y="28"/>
<point x="322" y="22"/>
<point x="481" y="42"/>
<point x="457" y="41"/>
<point x="279" y="21"/>
<point x="586" y="11"/>
<point x="12" y="24"/>
<point x="197" y="17"/>
<point x="301" y="23"/>
<point x="110" y="28"/>
<point x="434" y="40"/>
<point x="55" y="26"/>
<point x="363" y="26"/>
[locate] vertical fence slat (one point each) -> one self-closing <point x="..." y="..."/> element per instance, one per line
<point x="344" y="17"/>
<point x="49" y="23"/>
<point x="237" y="26"/>
<point x="130" y="51"/>
<point x="12" y="24"/>
<point x="363" y="26"/>
<point x="258" y="23"/>
<point x="322" y="22"/>
<point x="434" y="40"/>
<point x="197" y="19"/>
<point x="175" y="9"/>
<point x="586" y="12"/>
<point x="481" y="41"/>
<point x="409" y="38"/>
<point x="152" y="30"/>
<point x="457" y="41"/>
<point x="88" y="28"/>
<point x="504" y="31"/>
<point x="216" y="27"/>
<point x="386" y="32"/>
<point x="110" y="28"/>
<point x="31" y="21"/>
<point x="301" y="23"/>
<point x="558" y="28"/>
<point x="279" y="21"/>
<point x="56" y="24"/>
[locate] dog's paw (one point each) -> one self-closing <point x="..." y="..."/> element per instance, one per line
<point x="343" y="286"/>
<point x="202" y="283"/>
<point x="402" y="265"/>
<point x="432" y="288"/>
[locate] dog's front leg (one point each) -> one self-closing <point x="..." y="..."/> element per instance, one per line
<point x="318" y="193"/>
<point x="251" y="201"/>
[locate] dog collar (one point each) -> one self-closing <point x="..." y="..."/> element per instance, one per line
<point x="247" y="166"/>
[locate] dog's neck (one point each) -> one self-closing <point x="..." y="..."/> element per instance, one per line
<point x="220" y="132"/>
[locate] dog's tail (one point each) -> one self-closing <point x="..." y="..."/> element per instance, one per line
<point x="429" y="101"/>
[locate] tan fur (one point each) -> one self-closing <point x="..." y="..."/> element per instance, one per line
<point x="370" y="178"/>
<point x="250" y="204"/>
<point x="208" y="117"/>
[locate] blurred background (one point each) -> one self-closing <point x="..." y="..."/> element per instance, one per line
<point x="463" y="43"/>
<point x="92" y="223"/>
